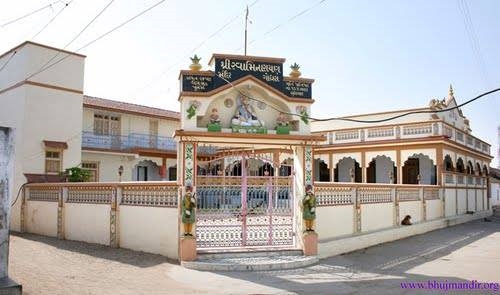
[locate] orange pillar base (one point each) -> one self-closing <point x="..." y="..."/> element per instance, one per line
<point x="188" y="248"/>
<point x="310" y="243"/>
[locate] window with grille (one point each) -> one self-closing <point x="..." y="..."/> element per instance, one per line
<point x="53" y="161"/>
<point x="93" y="168"/>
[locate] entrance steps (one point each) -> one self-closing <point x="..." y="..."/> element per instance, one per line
<point x="250" y="261"/>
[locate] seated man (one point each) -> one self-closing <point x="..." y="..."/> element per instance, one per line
<point x="245" y="114"/>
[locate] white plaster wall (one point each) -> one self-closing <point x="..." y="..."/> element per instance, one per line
<point x="149" y="229"/>
<point x="450" y="202"/>
<point x="480" y="199"/>
<point x="334" y="221"/>
<point x="68" y="73"/>
<point x="41" y="218"/>
<point x="376" y="216"/>
<point x="434" y="209"/>
<point x="471" y="196"/>
<point x="462" y="206"/>
<point x="51" y="115"/>
<point x="412" y="208"/>
<point x="87" y="222"/>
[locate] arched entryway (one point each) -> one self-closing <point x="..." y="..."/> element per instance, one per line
<point x="419" y="169"/>
<point x="146" y="170"/>
<point x="347" y="170"/>
<point x="381" y="170"/>
<point x="448" y="164"/>
<point x="460" y="166"/>
<point x="321" y="171"/>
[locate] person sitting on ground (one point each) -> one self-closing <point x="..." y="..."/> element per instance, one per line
<point x="406" y="220"/>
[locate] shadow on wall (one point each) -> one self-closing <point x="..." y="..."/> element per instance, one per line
<point x="135" y="258"/>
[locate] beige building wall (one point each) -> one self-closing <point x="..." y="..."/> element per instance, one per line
<point x="44" y="106"/>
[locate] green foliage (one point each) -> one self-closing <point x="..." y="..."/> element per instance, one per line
<point x="191" y="111"/>
<point x="77" y="174"/>
<point x="304" y="116"/>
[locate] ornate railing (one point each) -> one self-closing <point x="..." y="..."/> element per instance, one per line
<point x="346" y="135"/>
<point x="44" y="193"/>
<point x="156" y="194"/>
<point x="408" y="194"/>
<point x="374" y="195"/>
<point x="431" y="193"/>
<point x="331" y="196"/>
<point x="90" y="194"/>
<point x="381" y="132"/>
<point x="417" y="129"/>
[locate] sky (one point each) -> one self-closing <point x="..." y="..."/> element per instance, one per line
<point x="365" y="56"/>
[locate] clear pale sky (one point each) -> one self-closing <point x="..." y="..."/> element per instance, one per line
<point x="366" y="56"/>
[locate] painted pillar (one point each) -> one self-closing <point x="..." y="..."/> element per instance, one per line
<point x="7" y="286"/>
<point x="187" y="173"/>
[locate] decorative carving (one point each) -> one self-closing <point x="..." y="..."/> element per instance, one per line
<point x="228" y="103"/>
<point x="295" y="73"/>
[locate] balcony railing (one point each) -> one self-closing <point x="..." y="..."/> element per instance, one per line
<point x="407" y="131"/>
<point x="128" y="142"/>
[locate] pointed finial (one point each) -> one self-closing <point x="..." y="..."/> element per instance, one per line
<point x="195" y="65"/>
<point x="450" y="92"/>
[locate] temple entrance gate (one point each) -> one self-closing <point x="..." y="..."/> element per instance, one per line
<point x="241" y="207"/>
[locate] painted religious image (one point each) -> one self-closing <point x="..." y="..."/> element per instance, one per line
<point x="245" y="114"/>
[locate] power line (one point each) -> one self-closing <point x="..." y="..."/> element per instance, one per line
<point x="29" y="14"/>
<point x="7" y="62"/>
<point x="361" y="121"/>
<point x="292" y="18"/>
<point x="52" y="19"/>
<point x="218" y="31"/>
<point x="77" y="35"/>
<point x="88" y="44"/>
<point x="473" y="40"/>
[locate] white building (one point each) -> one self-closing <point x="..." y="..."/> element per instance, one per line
<point x="227" y="147"/>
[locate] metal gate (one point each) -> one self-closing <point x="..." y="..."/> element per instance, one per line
<point x="241" y="211"/>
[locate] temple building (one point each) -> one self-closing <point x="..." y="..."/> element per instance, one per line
<point x="243" y="142"/>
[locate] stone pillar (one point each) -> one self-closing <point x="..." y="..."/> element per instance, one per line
<point x="7" y="286"/>
<point x="310" y="244"/>
<point x="63" y="194"/>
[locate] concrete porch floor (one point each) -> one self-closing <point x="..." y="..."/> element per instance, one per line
<point x="455" y="254"/>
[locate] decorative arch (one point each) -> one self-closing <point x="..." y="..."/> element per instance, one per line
<point x="419" y="169"/>
<point x="470" y="167"/>
<point x="344" y="168"/>
<point x="485" y="170"/>
<point x="460" y="165"/>
<point x="321" y="171"/>
<point x="478" y="169"/>
<point x="448" y="163"/>
<point x="146" y="170"/>
<point x="381" y="169"/>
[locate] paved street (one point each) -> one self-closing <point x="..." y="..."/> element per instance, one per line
<point x="464" y="252"/>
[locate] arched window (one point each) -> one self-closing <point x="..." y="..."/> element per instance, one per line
<point x="448" y="163"/>
<point x="346" y="169"/>
<point x="419" y="169"/>
<point x="485" y="170"/>
<point x="381" y="170"/>
<point x="460" y="166"/>
<point x="470" y="168"/>
<point x="478" y="169"/>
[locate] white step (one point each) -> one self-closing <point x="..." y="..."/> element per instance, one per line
<point x="252" y="263"/>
